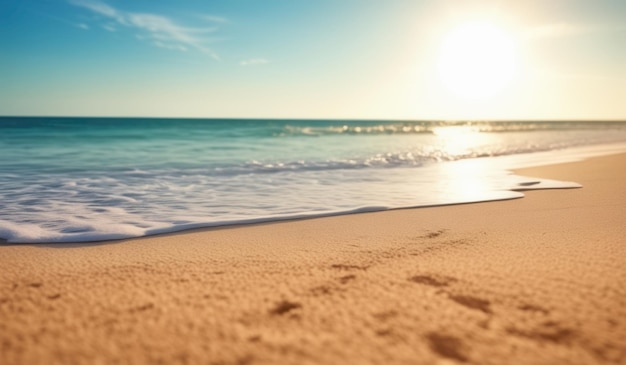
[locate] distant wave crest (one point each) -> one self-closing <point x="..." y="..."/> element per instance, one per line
<point x="322" y="129"/>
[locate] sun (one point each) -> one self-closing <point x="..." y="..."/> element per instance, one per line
<point x="477" y="60"/>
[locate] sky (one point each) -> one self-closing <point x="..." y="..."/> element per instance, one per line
<point x="354" y="59"/>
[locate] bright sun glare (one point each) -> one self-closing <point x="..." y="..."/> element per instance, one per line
<point x="477" y="60"/>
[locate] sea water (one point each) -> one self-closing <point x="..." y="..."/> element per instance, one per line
<point x="89" y="179"/>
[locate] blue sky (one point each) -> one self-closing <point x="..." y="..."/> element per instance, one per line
<point x="372" y="59"/>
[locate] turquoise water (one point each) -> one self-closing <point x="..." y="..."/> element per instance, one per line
<point x="86" y="179"/>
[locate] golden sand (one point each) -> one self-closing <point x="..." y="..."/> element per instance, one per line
<point x="538" y="280"/>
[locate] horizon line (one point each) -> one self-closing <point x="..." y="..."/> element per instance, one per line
<point x="618" y="120"/>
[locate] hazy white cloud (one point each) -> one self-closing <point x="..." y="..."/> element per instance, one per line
<point x="160" y="30"/>
<point x="99" y="8"/>
<point x="553" y="30"/>
<point x="582" y="76"/>
<point x="557" y="74"/>
<point x="109" y="27"/>
<point x="559" y="30"/>
<point x="214" y="19"/>
<point x="82" y="26"/>
<point x="254" y="62"/>
<point x="170" y="46"/>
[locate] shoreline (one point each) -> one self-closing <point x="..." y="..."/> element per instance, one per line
<point x="504" y="163"/>
<point x="470" y="180"/>
<point x="538" y="280"/>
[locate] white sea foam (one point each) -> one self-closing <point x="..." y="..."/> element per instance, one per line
<point x="163" y="206"/>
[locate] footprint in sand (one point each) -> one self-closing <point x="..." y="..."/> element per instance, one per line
<point x="347" y="278"/>
<point x="549" y="331"/>
<point x="348" y="267"/>
<point x="284" y="307"/>
<point x="533" y="308"/>
<point x="472" y="303"/>
<point x="447" y="346"/>
<point x="436" y="281"/>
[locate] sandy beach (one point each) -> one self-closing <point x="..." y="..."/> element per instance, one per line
<point x="538" y="280"/>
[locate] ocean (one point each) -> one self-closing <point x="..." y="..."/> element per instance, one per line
<point x="92" y="179"/>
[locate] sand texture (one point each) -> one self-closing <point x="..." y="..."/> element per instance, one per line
<point x="538" y="280"/>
